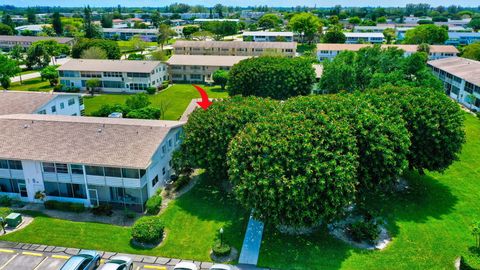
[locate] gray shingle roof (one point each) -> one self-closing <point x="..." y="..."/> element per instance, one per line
<point x="466" y="69"/>
<point x="205" y="60"/>
<point x="15" y="102"/>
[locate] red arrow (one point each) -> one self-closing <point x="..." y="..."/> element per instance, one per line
<point x="205" y="103"/>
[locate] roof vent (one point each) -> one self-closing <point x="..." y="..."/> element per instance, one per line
<point x="25" y="126"/>
<point x="99" y="130"/>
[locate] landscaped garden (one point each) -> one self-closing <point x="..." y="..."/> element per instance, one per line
<point x="176" y="97"/>
<point x="192" y="223"/>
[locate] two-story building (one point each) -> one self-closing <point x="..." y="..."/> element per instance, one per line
<point x="327" y="51"/>
<point x="368" y="37"/>
<point x="115" y="75"/>
<point x="89" y="160"/>
<point x="199" y="68"/>
<point x="21" y="102"/>
<point x="462" y="38"/>
<point x="8" y="42"/>
<point x="267" y="36"/>
<point x="234" y="48"/>
<point x="461" y="78"/>
<point x="128" y="33"/>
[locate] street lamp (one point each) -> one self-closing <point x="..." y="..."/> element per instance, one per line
<point x="221" y="237"/>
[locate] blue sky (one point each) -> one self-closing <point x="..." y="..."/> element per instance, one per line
<point x="287" y="3"/>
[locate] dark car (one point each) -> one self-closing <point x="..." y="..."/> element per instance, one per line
<point x="84" y="260"/>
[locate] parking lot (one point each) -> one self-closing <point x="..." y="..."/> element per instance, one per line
<point x="11" y="259"/>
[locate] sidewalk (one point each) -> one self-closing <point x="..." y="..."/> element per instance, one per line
<point x="26" y="77"/>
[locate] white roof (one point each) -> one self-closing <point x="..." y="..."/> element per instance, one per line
<point x="110" y="65"/>
<point x="268" y="33"/>
<point x="349" y="34"/>
<point x="31" y="27"/>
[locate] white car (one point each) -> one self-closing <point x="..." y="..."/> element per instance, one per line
<point x="118" y="263"/>
<point x="221" y="267"/>
<point x="185" y="266"/>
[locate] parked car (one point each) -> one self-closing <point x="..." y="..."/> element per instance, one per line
<point x="221" y="267"/>
<point x="185" y="266"/>
<point x="118" y="263"/>
<point x="84" y="260"/>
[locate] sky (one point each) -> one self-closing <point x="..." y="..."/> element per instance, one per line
<point x="283" y="3"/>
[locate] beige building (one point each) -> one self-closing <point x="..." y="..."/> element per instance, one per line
<point x="8" y="42"/>
<point x="199" y="68"/>
<point x="234" y="48"/>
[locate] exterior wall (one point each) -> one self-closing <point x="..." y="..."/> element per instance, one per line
<point x="323" y="55"/>
<point x="232" y="51"/>
<point x="462" y="38"/>
<point x="269" y="38"/>
<point x="154" y="79"/>
<point x="64" y="105"/>
<point x="356" y="40"/>
<point x="94" y="188"/>
<point x="122" y="35"/>
<point x="193" y="74"/>
<point x="459" y="89"/>
<point x="7" y="45"/>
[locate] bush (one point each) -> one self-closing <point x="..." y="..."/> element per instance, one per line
<point x="58" y="88"/>
<point x="5" y="211"/>
<point x="364" y="230"/>
<point x="64" y="206"/>
<point x="151" y="90"/>
<point x="153" y="205"/>
<point x="129" y="214"/>
<point x="148" y="230"/>
<point x="5" y="201"/>
<point x="478" y="115"/>
<point x="181" y="182"/>
<point x="221" y="250"/>
<point x="102" y="210"/>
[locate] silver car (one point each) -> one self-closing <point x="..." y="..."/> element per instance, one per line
<point x="221" y="267"/>
<point x="118" y="263"/>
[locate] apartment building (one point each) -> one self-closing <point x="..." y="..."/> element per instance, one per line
<point x="124" y="76"/>
<point x="266" y="36"/>
<point x="326" y="51"/>
<point x="372" y="37"/>
<point x="128" y="33"/>
<point x="21" y="102"/>
<point x="89" y="160"/>
<point x="462" y="38"/>
<point x="372" y="29"/>
<point x="199" y="68"/>
<point x="8" y="42"/>
<point x="461" y="79"/>
<point x="34" y="29"/>
<point x="234" y="48"/>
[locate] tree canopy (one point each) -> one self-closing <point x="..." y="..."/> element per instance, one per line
<point x="220" y="77"/>
<point x="427" y="33"/>
<point x="8" y="69"/>
<point x="472" y="51"/>
<point x="269" y="21"/>
<point x="306" y="24"/>
<point x="109" y="46"/>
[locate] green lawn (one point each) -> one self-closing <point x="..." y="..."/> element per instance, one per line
<point x="177" y="97"/>
<point x="191" y="222"/>
<point x="35" y="84"/>
<point x="127" y="45"/>
<point x="430" y="224"/>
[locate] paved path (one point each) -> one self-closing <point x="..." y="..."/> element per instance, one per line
<point x="26" y="77"/>
<point x="251" y="243"/>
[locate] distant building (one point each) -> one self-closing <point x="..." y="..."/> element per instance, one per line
<point x="128" y="33"/>
<point x="8" y="42"/>
<point x="372" y="29"/>
<point x="234" y="48"/>
<point x="87" y="160"/>
<point x="35" y="29"/>
<point x="199" y="68"/>
<point x="453" y="23"/>
<point x="178" y="22"/>
<point x="414" y="20"/>
<point x="462" y="38"/>
<point x="21" y="102"/>
<point x="115" y="75"/>
<point x="215" y="20"/>
<point x="355" y="38"/>
<point x="461" y="79"/>
<point x="327" y="51"/>
<point x="266" y="36"/>
<point x="248" y="14"/>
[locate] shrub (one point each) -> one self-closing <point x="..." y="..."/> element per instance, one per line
<point x="153" y="205"/>
<point x="58" y="88"/>
<point x="151" y="90"/>
<point x="5" y="201"/>
<point x="5" y="211"/>
<point x="364" y="230"/>
<point x="64" y="206"/>
<point x="181" y="182"/>
<point x="478" y="115"/>
<point x="129" y="214"/>
<point x="102" y="210"/>
<point x="221" y="250"/>
<point x="148" y="230"/>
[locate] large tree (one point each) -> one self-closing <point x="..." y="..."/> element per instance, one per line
<point x="94" y="53"/>
<point x="268" y="21"/>
<point x="306" y="25"/>
<point x="50" y="73"/>
<point x="292" y="170"/>
<point x="427" y="33"/>
<point x="334" y="35"/>
<point x="164" y="34"/>
<point x="89" y="27"/>
<point x="57" y="23"/>
<point x="475" y="23"/>
<point x="109" y="46"/>
<point x="275" y="77"/>
<point x="5" y="30"/>
<point x="472" y="51"/>
<point x="40" y="53"/>
<point x="8" y="69"/>
<point x="220" y="77"/>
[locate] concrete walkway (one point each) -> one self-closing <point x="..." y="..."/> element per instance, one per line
<point x="26" y="77"/>
<point x="251" y="243"/>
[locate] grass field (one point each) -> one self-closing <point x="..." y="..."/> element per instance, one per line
<point x="127" y="45"/>
<point x="177" y="97"/>
<point x="430" y="224"/>
<point x="192" y="223"/>
<point x="36" y="85"/>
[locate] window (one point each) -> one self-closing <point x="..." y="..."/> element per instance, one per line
<point x="62" y="105"/>
<point x="76" y="169"/>
<point x="170" y="143"/>
<point x="113" y="172"/>
<point x="9" y="185"/>
<point x="87" y="74"/>
<point x="138" y="86"/>
<point x="163" y="171"/>
<point x="130" y="173"/>
<point x="54" y="109"/>
<point x="94" y="170"/>
<point x="3" y="164"/>
<point x="15" y="165"/>
<point x="142" y="173"/>
<point x="67" y="73"/>
<point x="113" y="84"/>
<point x="164" y="149"/>
<point x="48" y="167"/>
<point x="138" y="75"/>
<point x="61" y="168"/>
<point x="42" y="112"/>
<point x="155" y="181"/>
<point x="51" y="189"/>
<point x="71" y="101"/>
<point x="195" y="76"/>
<point x="112" y="74"/>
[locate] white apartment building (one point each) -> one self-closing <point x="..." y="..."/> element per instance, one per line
<point x="372" y="37"/>
<point x="372" y="29"/>
<point x="128" y="33"/>
<point x="121" y="76"/>
<point x="234" y="48"/>
<point x="327" y="51"/>
<point x="21" y="102"/>
<point x="8" y="42"/>
<point x="89" y="160"/>
<point x="267" y="36"/>
<point x="461" y="79"/>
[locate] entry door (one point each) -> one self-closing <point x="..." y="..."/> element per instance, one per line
<point x="22" y="188"/>
<point x="93" y="197"/>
